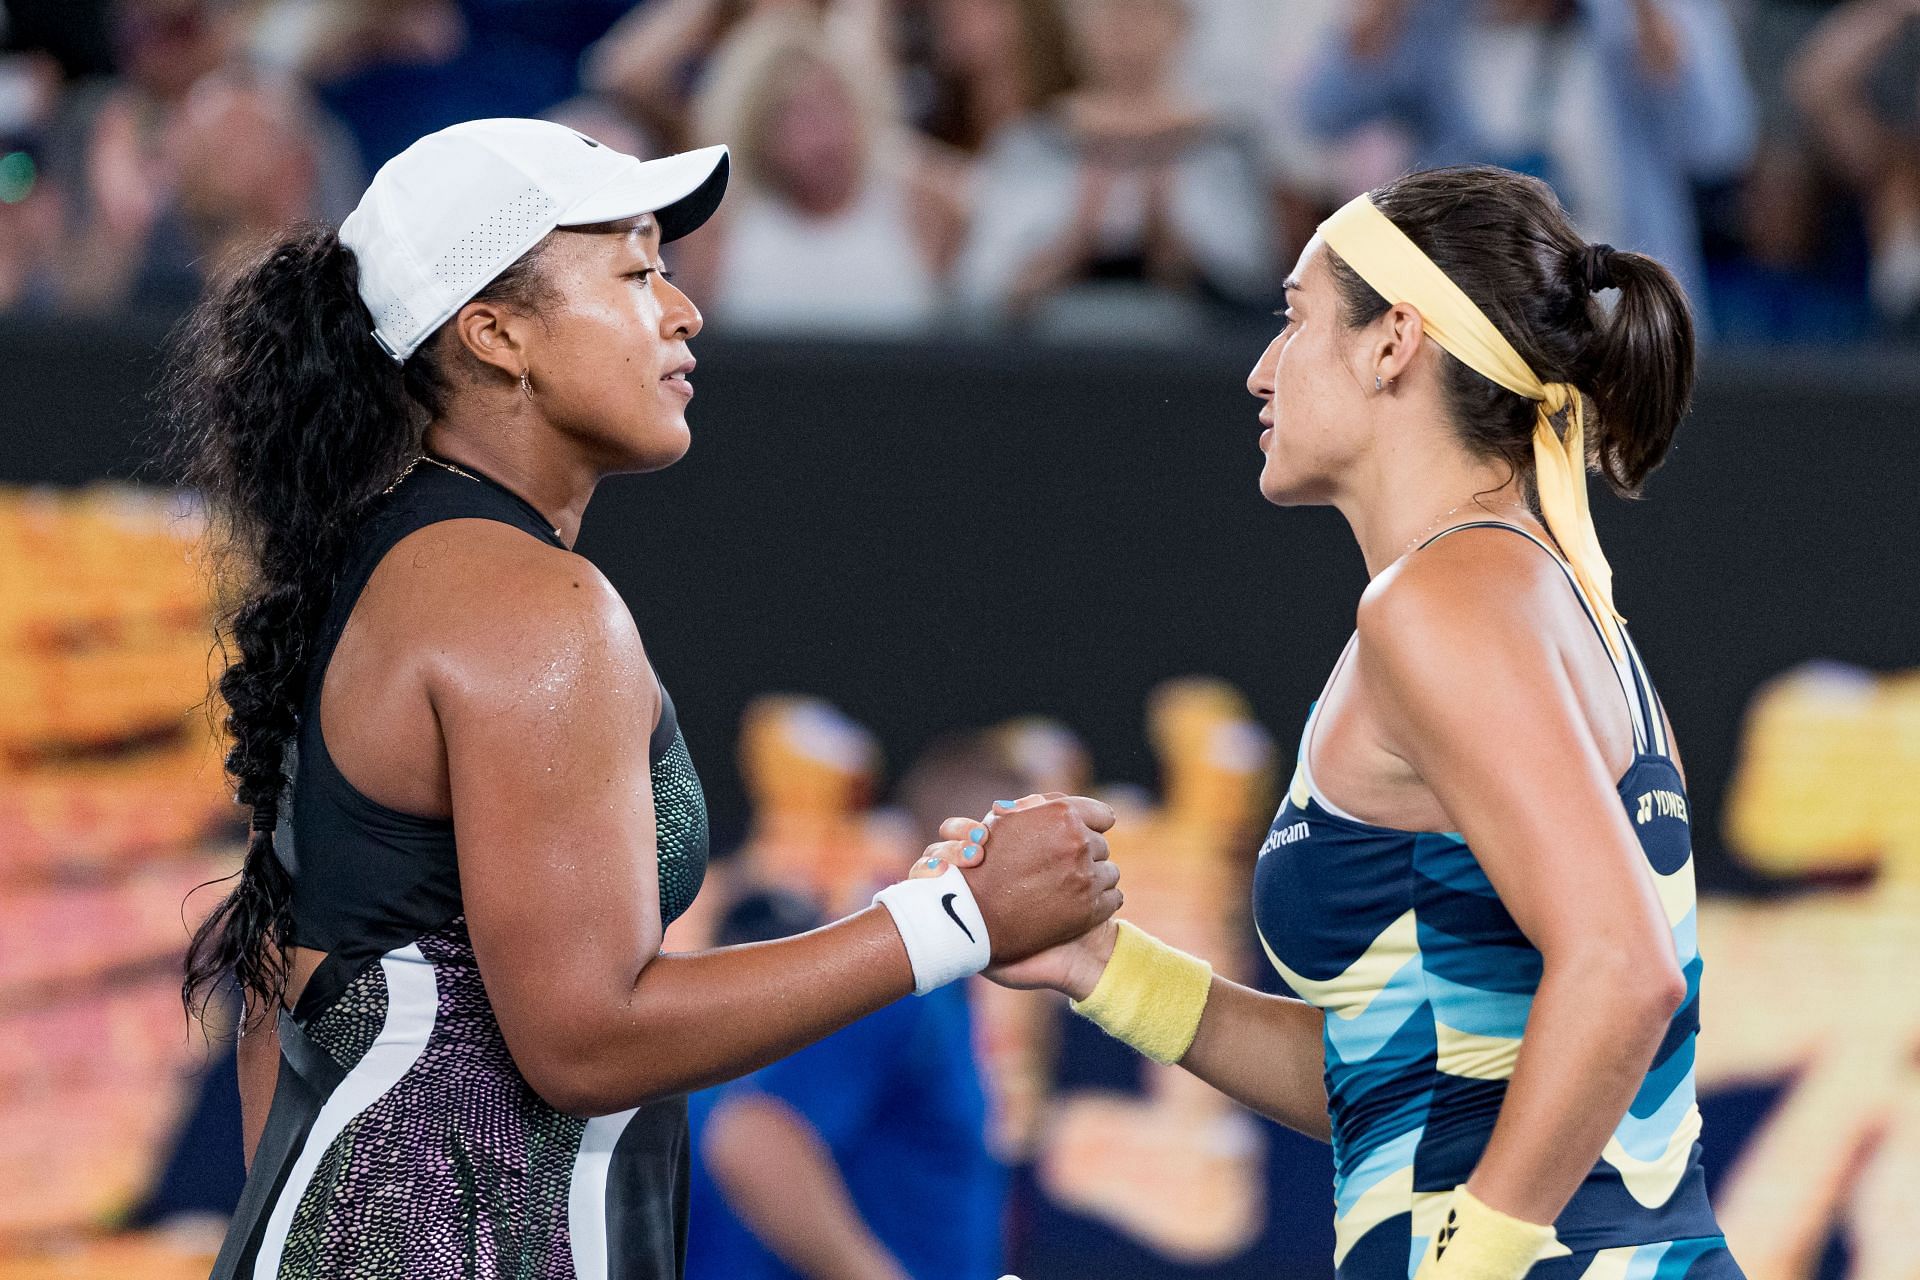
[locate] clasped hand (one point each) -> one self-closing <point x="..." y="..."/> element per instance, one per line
<point x="1048" y="891"/>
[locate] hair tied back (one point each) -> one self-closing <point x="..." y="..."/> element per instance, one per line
<point x="1595" y="266"/>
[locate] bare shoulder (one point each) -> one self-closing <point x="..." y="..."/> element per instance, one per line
<point x="504" y="615"/>
<point x="1476" y="592"/>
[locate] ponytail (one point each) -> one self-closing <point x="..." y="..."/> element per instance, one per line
<point x="1503" y="238"/>
<point x="288" y="418"/>
<point x="1639" y="365"/>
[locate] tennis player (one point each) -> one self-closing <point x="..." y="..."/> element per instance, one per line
<point x="1480" y="886"/>
<point x="463" y="1054"/>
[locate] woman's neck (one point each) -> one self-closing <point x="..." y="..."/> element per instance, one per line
<point x="554" y="482"/>
<point x="1411" y="493"/>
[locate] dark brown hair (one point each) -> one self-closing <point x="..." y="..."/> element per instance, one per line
<point x="1505" y="240"/>
<point x="289" y="420"/>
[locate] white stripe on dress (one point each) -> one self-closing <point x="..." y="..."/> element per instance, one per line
<point x="587" y="1194"/>
<point x="413" y="1001"/>
<point x="1656" y="724"/>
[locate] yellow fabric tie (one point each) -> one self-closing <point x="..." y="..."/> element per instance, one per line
<point x="1393" y="265"/>
<point x="1150" y="996"/>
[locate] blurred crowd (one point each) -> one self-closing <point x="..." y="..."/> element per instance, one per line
<point x="1065" y="165"/>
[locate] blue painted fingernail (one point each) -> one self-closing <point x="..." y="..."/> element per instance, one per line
<point x="933" y="864"/>
<point x="1003" y="804"/>
<point x="977" y="835"/>
<point x="970" y="852"/>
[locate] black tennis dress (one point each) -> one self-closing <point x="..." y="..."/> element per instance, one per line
<point x="402" y="1141"/>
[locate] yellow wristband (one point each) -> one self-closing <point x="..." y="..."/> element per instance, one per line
<point x="1478" y="1242"/>
<point x="1150" y="996"/>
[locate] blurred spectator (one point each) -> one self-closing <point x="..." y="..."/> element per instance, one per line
<point x="835" y="220"/>
<point x="172" y="186"/>
<point x="991" y="63"/>
<point x="1877" y="157"/>
<point x="1248" y="60"/>
<point x="394" y="70"/>
<point x="652" y="59"/>
<point x="108" y="144"/>
<point x="29" y="204"/>
<point x="1623" y="105"/>
<point x="1797" y="271"/>
<point x="247" y="162"/>
<point x="1125" y="179"/>
<point x="861" y="1157"/>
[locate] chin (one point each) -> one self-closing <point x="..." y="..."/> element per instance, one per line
<point x="666" y="449"/>
<point x="1284" y="490"/>
<point x="656" y="446"/>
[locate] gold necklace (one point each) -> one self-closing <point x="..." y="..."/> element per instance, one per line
<point x="448" y="466"/>
<point x="1473" y="502"/>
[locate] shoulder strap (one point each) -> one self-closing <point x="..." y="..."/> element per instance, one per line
<point x="1627" y="668"/>
<point x="425" y="495"/>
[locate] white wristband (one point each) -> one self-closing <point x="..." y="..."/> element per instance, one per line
<point x="945" y="933"/>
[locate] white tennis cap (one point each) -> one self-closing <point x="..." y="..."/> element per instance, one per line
<point x="455" y="209"/>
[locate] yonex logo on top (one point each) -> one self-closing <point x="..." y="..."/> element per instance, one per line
<point x="1660" y="804"/>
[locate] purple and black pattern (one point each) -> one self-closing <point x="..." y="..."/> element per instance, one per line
<point x="460" y="1169"/>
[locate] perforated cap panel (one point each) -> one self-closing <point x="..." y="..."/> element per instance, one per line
<point x="451" y="212"/>
<point x="468" y="265"/>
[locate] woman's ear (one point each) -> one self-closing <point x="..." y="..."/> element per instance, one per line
<point x="1401" y="335"/>
<point x="491" y="334"/>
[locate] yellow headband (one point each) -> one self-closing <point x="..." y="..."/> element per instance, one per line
<point x="1398" y="271"/>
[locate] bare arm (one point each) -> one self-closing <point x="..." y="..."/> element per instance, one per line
<point x="1828" y="80"/>
<point x="1484" y="709"/>
<point x="553" y="815"/>
<point x="1263" y="1051"/>
<point x="545" y="700"/>
<point x="639" y="61"/>
<point x="257" y="1056"/>
<point x="779" y="1177"/>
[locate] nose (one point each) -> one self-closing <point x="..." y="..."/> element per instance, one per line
<point x="679" y="318"/>
<point x="1260" y="381"/>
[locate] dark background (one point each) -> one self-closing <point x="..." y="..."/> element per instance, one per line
<point x="936" y="536"/>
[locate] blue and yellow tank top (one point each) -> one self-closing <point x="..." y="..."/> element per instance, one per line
<point x="1426" y="983"/>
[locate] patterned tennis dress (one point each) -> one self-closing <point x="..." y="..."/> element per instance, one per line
<point x="402" y="1141"/>
<point x="1426" y="983"/>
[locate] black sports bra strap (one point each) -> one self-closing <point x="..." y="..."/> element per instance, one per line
<point x="427" y="494"/>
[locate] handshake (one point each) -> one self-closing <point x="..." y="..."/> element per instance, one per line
<point x="1025" y="894"/>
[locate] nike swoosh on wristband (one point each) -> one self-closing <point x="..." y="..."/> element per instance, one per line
<point x="946" y="900"/>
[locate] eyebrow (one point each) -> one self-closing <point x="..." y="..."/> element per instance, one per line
<point x="1291" y="285"/>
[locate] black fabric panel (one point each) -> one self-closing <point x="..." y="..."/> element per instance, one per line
<point x="647" y="1191"/>
<point x="307" y="1078"/>
<point x="370" y="877"/>
<point x="662" y="740"/>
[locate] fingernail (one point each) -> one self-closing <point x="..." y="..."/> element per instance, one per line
<point x="970" y="852"/>
<point x="933" y="864"/>
<point x="977" y="835"/>
<point x="1003" y="804"/>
